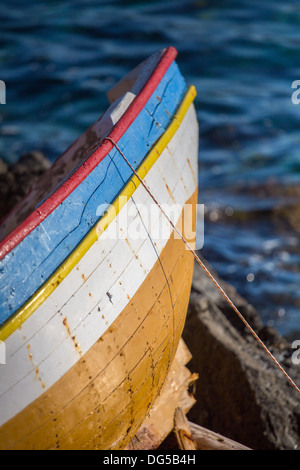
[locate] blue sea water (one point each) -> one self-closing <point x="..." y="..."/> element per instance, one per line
<point x="58" y="58"/>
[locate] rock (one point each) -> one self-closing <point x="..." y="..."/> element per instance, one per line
<point x="240" y="392"/>
<point x="33" y="161"/>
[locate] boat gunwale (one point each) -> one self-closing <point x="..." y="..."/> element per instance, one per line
<point x="71" y="183"/>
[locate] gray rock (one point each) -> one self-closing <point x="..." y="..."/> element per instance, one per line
<point x="240" y="392"/>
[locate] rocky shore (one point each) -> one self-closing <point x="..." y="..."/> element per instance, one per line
<point x="240" y="393"/>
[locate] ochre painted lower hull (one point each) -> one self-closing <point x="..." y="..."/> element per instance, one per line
<point x="109" y="391"/>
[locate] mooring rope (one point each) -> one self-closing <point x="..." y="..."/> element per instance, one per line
<point x="206" y="270"/>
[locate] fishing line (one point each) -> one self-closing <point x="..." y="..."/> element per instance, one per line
<point x="206" y="270"/>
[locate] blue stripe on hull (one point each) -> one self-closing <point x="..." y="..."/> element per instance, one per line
<point x="33" y="261"/>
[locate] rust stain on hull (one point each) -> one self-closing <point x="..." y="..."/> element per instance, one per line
<point x="29" y="353"/>
<point x="135" y="255"/>
<point x="37" y="377"/>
